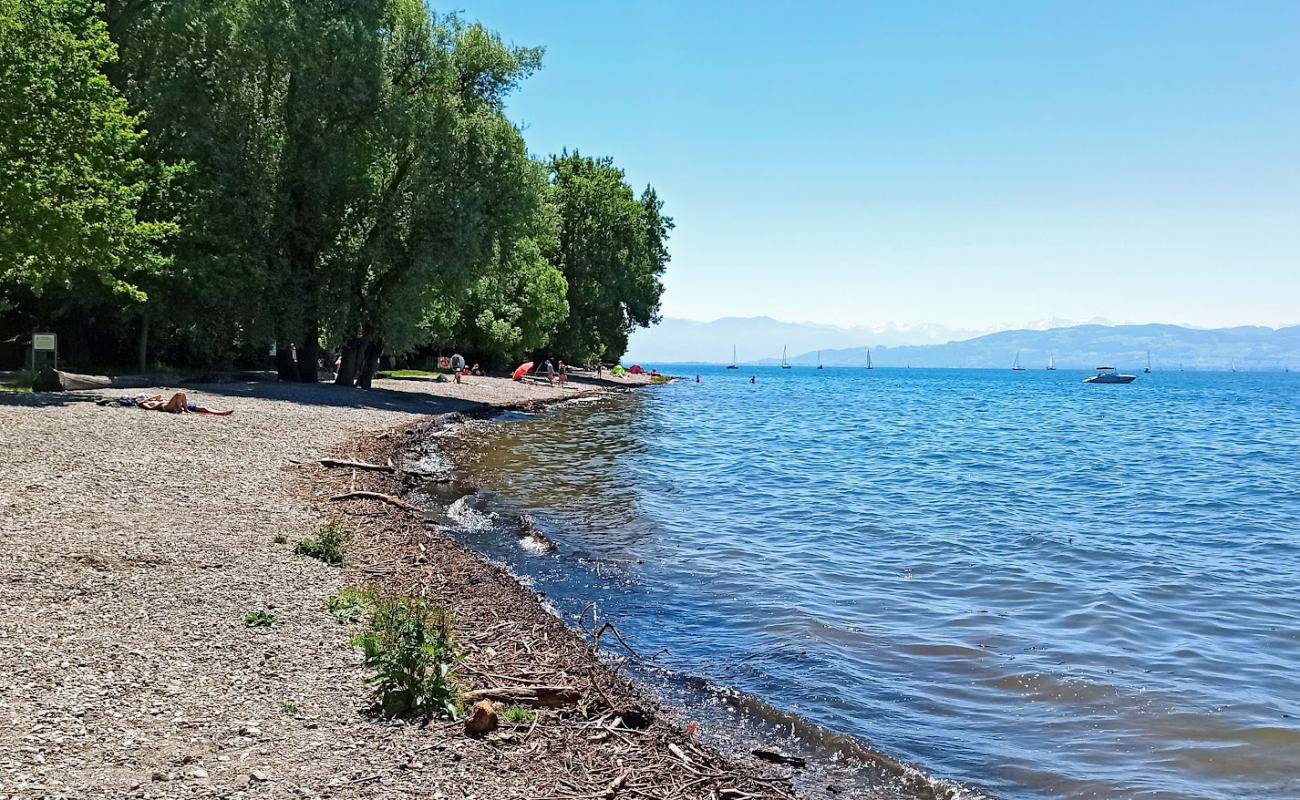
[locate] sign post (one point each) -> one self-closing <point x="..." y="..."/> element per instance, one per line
<point x="45" y="351"/>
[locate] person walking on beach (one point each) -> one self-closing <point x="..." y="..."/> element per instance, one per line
<point x="550" y="371"/>
<point x="564" y="373"/>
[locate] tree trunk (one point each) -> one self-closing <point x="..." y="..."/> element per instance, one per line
<point x="353" y="352"/>
<point x="143" y="347"/>
<point x="369" y="364"/>
<point x="284" y="364"/>
<point x="309" y="353"/>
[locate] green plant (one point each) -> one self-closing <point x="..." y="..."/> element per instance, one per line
<point x="289" y="707"/>
<point x="351" y="604"/>
<point x="280" y="538"/>
<point x="259" y="619"/>
<point x="410" y="652"/>
<point x="660" y="379"/>
<point x="16" y="382"/>
<point x="328" y="544"/>
<point x="519" y="714"/>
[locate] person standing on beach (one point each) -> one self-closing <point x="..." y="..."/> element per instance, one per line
<point x="550" y="371"/>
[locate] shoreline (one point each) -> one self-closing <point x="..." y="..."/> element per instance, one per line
<point x="136" y="542"/>
<point x="837" y="764"/>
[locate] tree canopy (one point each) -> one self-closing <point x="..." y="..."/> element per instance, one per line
<point x="224" y="177"/>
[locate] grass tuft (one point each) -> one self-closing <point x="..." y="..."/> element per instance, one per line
<point x="408" y="649"/>
<point x="259" y="619"/>
<point x="280" y="538"/>
<point x="328" y="544"/>
<point x="518" y="714"/>
<point x="351" y="604"/>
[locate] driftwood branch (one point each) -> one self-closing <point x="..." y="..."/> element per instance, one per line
<point x="544" y="696"/>
<point x="387" y="498"/>
<point x="338" y="462"/>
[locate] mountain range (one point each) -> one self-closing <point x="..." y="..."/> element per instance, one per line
<point x="759" y="341"/>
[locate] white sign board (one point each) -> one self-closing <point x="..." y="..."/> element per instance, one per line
<point x="43" y="341"/>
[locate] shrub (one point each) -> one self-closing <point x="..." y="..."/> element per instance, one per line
<point x="351" y="604"/>
<point x="328" y="544"/>
<point x="259" y="619"/>
<point x="409" y="650"/>
<point x="519" y="714"/>
<point x="280" y="538"/>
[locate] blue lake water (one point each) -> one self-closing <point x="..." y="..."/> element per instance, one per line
<point x="1031" y="586"/>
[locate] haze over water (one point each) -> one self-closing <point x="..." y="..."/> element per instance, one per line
<point x="1029" y="585"/>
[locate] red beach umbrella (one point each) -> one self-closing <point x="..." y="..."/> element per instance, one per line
<point x="521" y="370"/>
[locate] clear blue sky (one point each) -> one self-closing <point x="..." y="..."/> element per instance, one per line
<point x="971" y="164"/>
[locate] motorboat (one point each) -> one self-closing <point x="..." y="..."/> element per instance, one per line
<point x="1109" y="375"/>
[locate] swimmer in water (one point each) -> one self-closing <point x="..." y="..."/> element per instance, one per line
<point x="751" y="378"/>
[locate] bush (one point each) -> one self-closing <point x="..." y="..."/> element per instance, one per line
<point x="351" y="604"/>
<point x="409" y="650"/>
<point x="328" y="544"/>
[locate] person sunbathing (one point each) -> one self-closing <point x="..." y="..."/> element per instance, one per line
<point x="178" y="404"/>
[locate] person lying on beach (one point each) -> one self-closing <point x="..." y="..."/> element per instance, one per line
<point x="178" y="404"/>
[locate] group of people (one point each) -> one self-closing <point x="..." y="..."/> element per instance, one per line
<point x="556" y="373"/>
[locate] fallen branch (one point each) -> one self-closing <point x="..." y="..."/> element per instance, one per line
<point x="544" y="696"/>
<point x="387" y="498"/>
<point x="338" y="462"/>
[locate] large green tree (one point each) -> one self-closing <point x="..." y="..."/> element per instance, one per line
<point x="613" y="252"/>
<point x="72" y="179"/>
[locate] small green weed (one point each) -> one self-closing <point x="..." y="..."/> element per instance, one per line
<point x="289" y="707"/>
<point x="409" y="650"/>
<point x="519" y="714"/>
<point x="351" y="604"/>
<point x="280" y="538"/>
<point x="660" y="379"/>
<point x="328" y="544"/>
<point x="259" y="619"/>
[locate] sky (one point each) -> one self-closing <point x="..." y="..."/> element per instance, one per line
<point x="976" y="165"/>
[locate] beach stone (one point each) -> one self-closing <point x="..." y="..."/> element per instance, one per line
<point x="482" y="718"/>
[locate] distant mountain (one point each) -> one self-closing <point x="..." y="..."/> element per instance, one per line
<point x="677" y="340"/>
<point x="1088" y="346"/>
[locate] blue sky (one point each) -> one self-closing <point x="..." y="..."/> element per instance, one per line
<point x="978" y="165"/>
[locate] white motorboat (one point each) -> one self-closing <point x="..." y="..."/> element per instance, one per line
<point x="1109" y="375"/>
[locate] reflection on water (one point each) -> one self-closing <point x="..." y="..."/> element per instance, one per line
<point x="1015" y="580"/>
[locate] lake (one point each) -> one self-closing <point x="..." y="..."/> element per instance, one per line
<point x="1019" y="583"/>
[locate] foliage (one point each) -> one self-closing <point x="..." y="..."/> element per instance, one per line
<point x="72" y="180"/>
<point x="328" y="544"/>
<point x="280" y="538"/>
<point x="518" y="714"/>
<point x="613" y="252"/>
<point x="259" y="619"/>
<point x="351" y="604"/>
<point x="321" y="173"/>
<point x="409" y="650"/>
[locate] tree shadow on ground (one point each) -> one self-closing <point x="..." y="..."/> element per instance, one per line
<point x="331" y="396"/>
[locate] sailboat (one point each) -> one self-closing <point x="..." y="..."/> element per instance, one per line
<point x="869" y="360"/>
<point x="732" y="365"/>
<point x="1148" y="367"/>
<point x="784" y="364"/>
<point x="1051" y="363"/>
<point x="819" y="360"/>
<point x="1016" y="366"/>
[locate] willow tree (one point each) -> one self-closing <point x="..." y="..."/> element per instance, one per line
<point x="613" y="252"/>
<point x="72" y="178"/>
<point x="453" y="192"/>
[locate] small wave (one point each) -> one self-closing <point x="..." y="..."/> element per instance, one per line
<point x="468" y="518"/>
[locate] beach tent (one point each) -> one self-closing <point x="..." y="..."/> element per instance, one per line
<point x="636" y="369"/>
<point x="521" y="370"/>
<point x="618" y="371"/>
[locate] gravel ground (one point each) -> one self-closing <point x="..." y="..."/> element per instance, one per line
<point x="133" y="543"/>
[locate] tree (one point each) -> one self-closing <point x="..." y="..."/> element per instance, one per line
<point x="72" y="179"/>
<point x="613" y="252"/>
